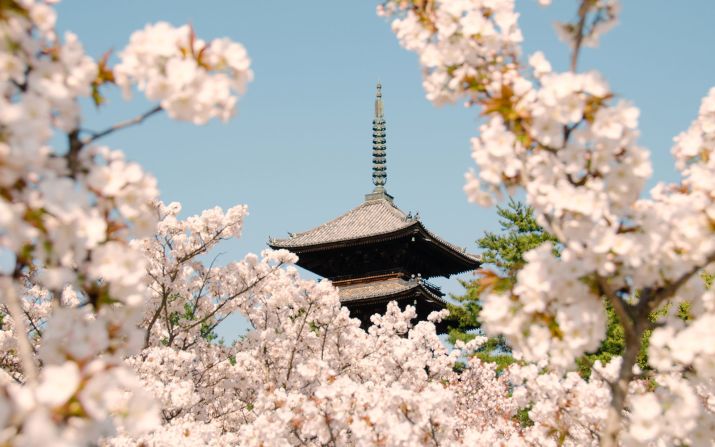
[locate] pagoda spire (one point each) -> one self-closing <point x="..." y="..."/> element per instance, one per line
<point x="379" y="147"/>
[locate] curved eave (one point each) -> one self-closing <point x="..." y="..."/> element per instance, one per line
<point x="468" y="260"/>
<point x="394" y="296"/>
<point x="471" y="261"/>
<point x="362" y="240"/>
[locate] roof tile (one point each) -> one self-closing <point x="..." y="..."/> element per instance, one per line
<point x="384" y="288"/>
<point x="370" y="218"/>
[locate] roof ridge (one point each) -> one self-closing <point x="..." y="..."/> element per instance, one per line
<point x="331" y="220"/>
<point x="393" y="217"/>
<point x="392" y="205"/>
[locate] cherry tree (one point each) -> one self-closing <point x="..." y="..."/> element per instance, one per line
<point x="75" y="292"/>
<point x="570" y="144"/>
<point x="108" y="313"/>
<point x="306" y="373"/>
<point x="109" y="307"/>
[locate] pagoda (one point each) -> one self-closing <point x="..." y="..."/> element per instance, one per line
<point x="376" y="253"/>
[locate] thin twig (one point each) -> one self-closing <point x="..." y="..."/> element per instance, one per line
<point x="295" y="345"/>
<point x="582" y="13"/>
<point x="27" y="359"/>
<point x="667" y="292"/>
<point x="32" y="324"/>
<point x="164" y="298"/>
<point x="122" y="125"/>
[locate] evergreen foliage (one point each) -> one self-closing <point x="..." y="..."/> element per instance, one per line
<point x="503" y="255"/>
<point x="519" y="233"/>
<point x="613" y="345"/>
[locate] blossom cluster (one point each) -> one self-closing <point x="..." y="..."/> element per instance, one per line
<point x="566" y="407"/>
<point x="306" y="373"/>
<point x="457" y="41"/>
<point x="109" y="316"/>
<point x="560" y="325"/>
<point x="74" y="296"/>
<point x="571" y="147"/>
<point x="192" y="79"/>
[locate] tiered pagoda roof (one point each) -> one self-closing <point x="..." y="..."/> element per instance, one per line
<point x="376" y="253"/>
<point x="377" y="221"/>
<point x="381" y="289"/>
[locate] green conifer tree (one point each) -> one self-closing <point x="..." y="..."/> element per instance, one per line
<point x="502" y="256"/>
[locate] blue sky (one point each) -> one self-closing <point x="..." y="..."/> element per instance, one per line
<point x="299" y="151"/>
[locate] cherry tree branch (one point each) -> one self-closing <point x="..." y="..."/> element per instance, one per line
<point x="33" y="325"/>
<point x="24" y="347"/>
<point x="298" y="340"/>
<point x="667" y="292"/>
<point x="121" y="125"/>
<point x="622" y="309"/>
<point x="150" y="326"/>
<point x="635" y="321"/>
<point x="580" y="28"/>
<point x="229" y="299"/>
<point x="76" y="143"/>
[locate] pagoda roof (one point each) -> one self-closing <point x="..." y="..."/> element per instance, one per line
<point x="374" y="220"/>
<point x="387" y="290"/>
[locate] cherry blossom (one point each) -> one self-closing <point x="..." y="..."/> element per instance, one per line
<point x="192" y="79"/>
<point x="570" y="145"/>
<point x="306" y="373"/>
<point x="110" y="309"/>
<point x="72" y="303"/>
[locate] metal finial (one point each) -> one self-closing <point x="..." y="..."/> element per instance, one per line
<point x="379" y="147"/>
<point x="378" y="101"/>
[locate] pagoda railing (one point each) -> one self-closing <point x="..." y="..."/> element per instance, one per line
<point x="381" y="275"/>
<point x="373" y="274"/>
<point x="366" y="278"/>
